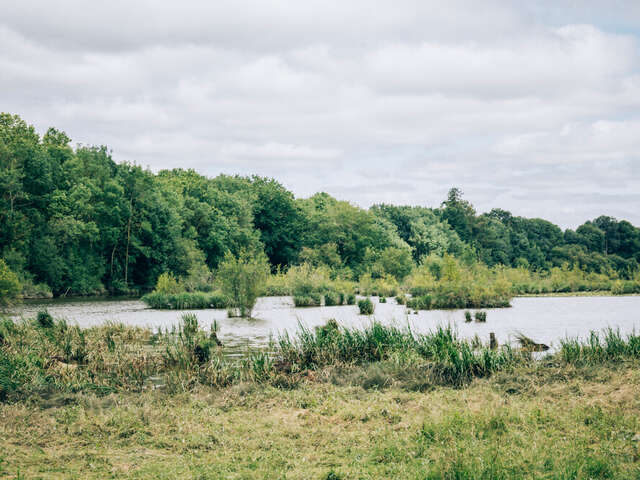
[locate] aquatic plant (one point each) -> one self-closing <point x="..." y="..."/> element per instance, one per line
<point x="309" y="300"/>
<point x="366" y="306"/>
<point x="332" y="298"/>
<point x="481" y="317"/>
<point x="186" y="300"/>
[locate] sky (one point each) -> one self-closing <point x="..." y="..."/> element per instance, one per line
<point x="533" y="107"/>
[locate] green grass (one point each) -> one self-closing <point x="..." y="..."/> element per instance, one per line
<point x="328" y="402"/>
<point x="568" y="424"/>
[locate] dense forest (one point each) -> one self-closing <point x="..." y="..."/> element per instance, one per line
<point x="75" y="222"/>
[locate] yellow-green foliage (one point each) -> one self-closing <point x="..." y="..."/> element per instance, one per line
<point x="386" y="286"/>
<point x="243" y="279"/>
<point x="167" y="284"/>
<point x="10" y="287"/>
<point x="305" y="280"/>
<point x="446" y="282"/>
<point x="452" y="283"/>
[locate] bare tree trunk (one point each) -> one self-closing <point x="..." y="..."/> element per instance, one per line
<point x="113" y="253"/>
<point x="126" y="256"/>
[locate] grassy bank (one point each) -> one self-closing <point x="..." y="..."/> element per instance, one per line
<point x="547" y="421"/>
<point x="326" y="403"/>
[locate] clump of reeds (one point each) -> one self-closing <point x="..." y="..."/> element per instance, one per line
<point x="608" y="346"/>
<point x="309" y="300"/>
<point x="467" y="316"/>
<point x="332" y="298"/>
<point x="481" y="317"/>
<point x="186" y="300"/>
<point x="450" y="360"/>
<point x="366" y="306"/>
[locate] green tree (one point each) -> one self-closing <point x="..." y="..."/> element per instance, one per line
<point x="459" y="213"/>
<point x="396" y="261"/>
<point x="279" y="220"/>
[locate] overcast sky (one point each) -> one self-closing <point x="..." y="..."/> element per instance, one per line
<point x="534" y="109"/>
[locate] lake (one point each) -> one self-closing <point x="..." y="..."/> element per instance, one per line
<point x="544" y="319"/>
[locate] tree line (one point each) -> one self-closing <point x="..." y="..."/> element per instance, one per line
<point x="75" y="222"/>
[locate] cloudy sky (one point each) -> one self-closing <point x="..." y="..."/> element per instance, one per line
<point x="530" y="108"/>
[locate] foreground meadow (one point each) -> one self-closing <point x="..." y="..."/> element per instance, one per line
<point x="543" y="422"/>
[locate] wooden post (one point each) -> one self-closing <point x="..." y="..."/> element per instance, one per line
<point x="493" y="343"/>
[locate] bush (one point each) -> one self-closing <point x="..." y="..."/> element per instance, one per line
<point x="44" y="319"/>
<point x="351" y="299"/>
<point x="401" y="299"/>
<point x="366" y="306"/>
<point x="243" y="279"/>
<point x="167" y="284"/>
<point x="419" y="303"/>
<point x="10" y="287"/>
<point x="625" y="287"/>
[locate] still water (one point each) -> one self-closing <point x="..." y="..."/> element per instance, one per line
<point x="544" y="319"/>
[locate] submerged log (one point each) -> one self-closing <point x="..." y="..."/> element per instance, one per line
<point x="530" y="345"/>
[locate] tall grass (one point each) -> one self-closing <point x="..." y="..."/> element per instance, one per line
<point x="608" y="346"/>
<point x="446" y="358"/>
<point x="46" y="355"/>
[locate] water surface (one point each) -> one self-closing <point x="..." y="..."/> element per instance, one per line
<point x="544" y="319"/>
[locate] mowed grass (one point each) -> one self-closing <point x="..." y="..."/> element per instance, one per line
<point x="550" y="421"/>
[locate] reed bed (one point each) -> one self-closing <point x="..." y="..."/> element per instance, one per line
<point x="186" y="300"/>
<point x="44" y="356"/>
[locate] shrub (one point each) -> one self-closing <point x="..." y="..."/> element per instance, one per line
<point x="366" y="306"/>
<point x="44" y="319"/>
<point x="243" y="279"/>
<point x="167" y="284"/>
<point x="10" y="287"/>
<point x="420" y="303"/>
<point x="467" y="316"/>
<point x="351" y="299"/>
<point x="401" y="299"/>
<point x="383" y="300"/>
